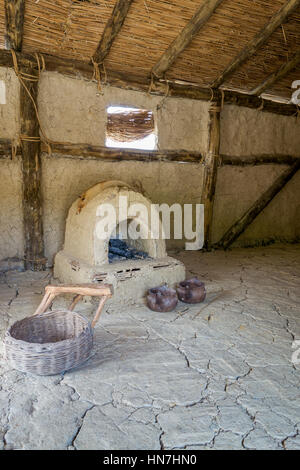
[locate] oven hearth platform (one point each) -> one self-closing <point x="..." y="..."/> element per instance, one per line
<point x="130" y="279"/>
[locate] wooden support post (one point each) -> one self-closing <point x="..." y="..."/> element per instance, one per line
<point x="240" y="226"/>
<point x="31" y="168"/>
<point x="211" y="162"/>
<point x="14" y="20"/>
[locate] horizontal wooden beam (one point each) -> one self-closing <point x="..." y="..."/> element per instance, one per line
<point x="14" y="21"/>
<point x="247" y="218"/>
<point x="111" y="29"/>
<point x="184" y="38"/>
<point x="280" y="73"/>
<point x="260" y="38"/>
<point x="85" y="151"/>
<point x="83" y="70"/>
<point x="258" y="160"/>
<point x="6" y="149"/>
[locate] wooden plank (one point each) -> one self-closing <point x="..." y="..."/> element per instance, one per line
<point x="247" y="218"/>
<point x="260" y="38"/>
<point x="210" y="170"/>
<point x="184" y="38"/>
<point x="280" y="73"/>
<point x="111" y="29"/>
<point x="14" y="21"/>
<point x="85" y="151"/>
<point x="83" y="70"/>
<point x="31" y="169"/>
<point x="253" y="160"/>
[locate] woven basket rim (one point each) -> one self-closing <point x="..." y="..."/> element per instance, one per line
<point x="66" y="341"/>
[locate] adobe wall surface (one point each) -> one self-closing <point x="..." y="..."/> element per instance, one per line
<point x="11" y="215"/>
<point x="9" y="112"/>
<point x="244" y="133"/>
<point x="74" y="111"/>
<point x="238" y="188"/>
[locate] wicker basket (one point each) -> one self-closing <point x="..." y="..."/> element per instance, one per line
<point x="52" y="342"/>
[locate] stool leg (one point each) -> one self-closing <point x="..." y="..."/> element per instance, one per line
<point x="98" y="312"/>
<point x="74" y="302"/>
<point x="47" y="300"/>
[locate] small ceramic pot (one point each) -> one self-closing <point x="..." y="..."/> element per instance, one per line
<point x="162" y="299"/>
<point x="191" y="291"/>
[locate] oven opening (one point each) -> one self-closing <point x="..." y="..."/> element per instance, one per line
<point x="121" y="247"/>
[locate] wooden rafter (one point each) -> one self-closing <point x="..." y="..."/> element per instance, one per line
<point x="247" y="218"/>
<point x="111" y="29"/>
<point x="184" y="38"/>
<point x="280" y="73"/>
<point x="261" y="37"/>
<point x="14" y="20"/>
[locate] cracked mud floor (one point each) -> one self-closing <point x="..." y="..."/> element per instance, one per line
<point x="214" y="375"/>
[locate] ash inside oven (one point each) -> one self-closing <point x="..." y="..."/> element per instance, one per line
<point x="119" y="250"/>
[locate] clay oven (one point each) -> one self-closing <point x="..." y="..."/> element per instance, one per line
<point x="87" y="258"/>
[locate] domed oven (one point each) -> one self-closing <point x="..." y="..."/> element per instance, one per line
<point x="115" y="255"/>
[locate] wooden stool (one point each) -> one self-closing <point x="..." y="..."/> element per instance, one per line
<point x="105" y="291"/>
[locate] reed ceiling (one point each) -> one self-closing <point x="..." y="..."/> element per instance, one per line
<point x="72" y="29"/>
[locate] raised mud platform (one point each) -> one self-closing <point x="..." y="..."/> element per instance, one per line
<point x="131" y="279"/>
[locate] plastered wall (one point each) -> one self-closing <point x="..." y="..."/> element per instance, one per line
<point x="11" y="215"/>
<point x="74" y="111"/>
<point x="238" y="188"/>
<point x="244" y="133"/>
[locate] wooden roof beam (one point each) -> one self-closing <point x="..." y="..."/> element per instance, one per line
<point x="261" y="37"/>
<point x="277" y="75"/>
<point x="192" y="28"/>
<point x="111" y="29"/>
<point x="14" y="21"/>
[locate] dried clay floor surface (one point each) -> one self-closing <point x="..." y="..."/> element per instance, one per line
<point x="214" y="375"/>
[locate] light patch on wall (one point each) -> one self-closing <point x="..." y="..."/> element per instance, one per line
<point x="129" y="127"/>
<point x="2" y="92"/>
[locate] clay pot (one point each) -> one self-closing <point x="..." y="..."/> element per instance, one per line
<point x="191" y="291"/>
<point x="162" y="298"/>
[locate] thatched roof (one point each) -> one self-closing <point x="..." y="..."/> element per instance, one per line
<point x="73" y="29"/>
